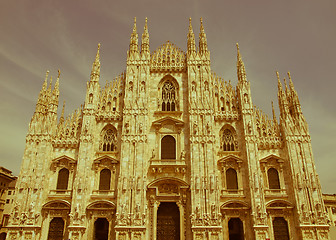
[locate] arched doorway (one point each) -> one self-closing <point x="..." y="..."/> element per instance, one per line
<point x="3" y="236"/>
<point x="236" y="230"/>
<point x="56" y="229"/>
<point x="168" y="221"/>
<point x="101" y="229"/>
<point x="280" y="228"/>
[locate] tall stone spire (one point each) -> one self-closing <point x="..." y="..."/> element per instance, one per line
<point x="95" y="72"/>
<point x="203" y="44"/>
<point x="241" y="73"/>
<point x="145" y="40"/>
<point x="134" y="39"/>
<point x="191" y="39"/>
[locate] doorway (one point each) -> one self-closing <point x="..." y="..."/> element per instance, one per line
<point x="56" y="229"/>
<point x="236" y="229"/>
<point x="280" y="228"/>
<point x="101" y="229"/>
<point x="168" y="221"/>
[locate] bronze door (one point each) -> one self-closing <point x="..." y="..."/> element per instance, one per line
<point x="168" y="221"/>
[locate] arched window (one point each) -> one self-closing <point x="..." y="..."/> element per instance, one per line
<point x="168" y="147"/>
<point x="273" y="179"/>
<point x="280" y="228"/>
<point x="231" y="179"/>
<point x="228" y="143"/>
<point x="105" y="179"/>
<point x="56" y="229"/>
<point x="63" y="178"/>
<point x="109" y="139"/>
<point x="168" y="97"/>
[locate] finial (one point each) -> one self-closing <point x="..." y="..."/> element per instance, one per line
<point x="46" y="76"/>
<point x="289" y="76"/>
<point x="278" y="77"/>
<point x="273" y="112"/>
<point x="189" y="20"/>
<point x="238" y="52"/>
<point x="202" y="28"/>
<point x="134" y="26"/>
<point x="59" y="73"/>
<point x="62" y="115"/>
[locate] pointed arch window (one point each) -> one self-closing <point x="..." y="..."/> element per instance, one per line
<point x="63" y="179"/>
<point x="109" y="139"/>
<point x="273" y="178"/>
<point x="168" y="97"/>
<point x="231" y="179"/>
<point x="168" y="147"/>
<point x="105" y="179"/>
<point x="228" y="141"/>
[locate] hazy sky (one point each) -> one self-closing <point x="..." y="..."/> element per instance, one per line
<point x="295" y="36"/>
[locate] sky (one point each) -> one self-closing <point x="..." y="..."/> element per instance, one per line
<point x="296" y="36"/>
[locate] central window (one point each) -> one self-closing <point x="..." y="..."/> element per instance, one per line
<point x="168" y="147"/>
<point x="168" y="97"/>
<point x="108" y="139"/>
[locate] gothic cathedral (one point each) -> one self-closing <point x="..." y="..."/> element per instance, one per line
<point x="168" y="150"/>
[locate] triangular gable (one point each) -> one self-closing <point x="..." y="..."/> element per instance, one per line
<point x="69" y="159"/>
<point x="270" y="157"/>
<point x="230" y="157"/>
<point x="98" y="160"/>
<point x="159" y="123"/>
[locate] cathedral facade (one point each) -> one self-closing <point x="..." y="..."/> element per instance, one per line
<point x="168" y="150"/>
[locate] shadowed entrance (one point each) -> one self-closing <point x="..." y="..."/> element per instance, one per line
<point x="56" y="229"/>
<point x="236" y="230"/>
<point x="168" y="221"/>
<point x="101" y="229"/>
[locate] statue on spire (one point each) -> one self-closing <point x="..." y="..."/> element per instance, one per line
<point x="191" y="39"/>
<point x="145" y="40"/>
<point x="95" y="72"/>
<point x="203" y="44"/>
<point x="134" y="39"/>
<point x="241" y="73"/>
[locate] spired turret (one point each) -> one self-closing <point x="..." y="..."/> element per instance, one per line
<point x="133" y="52"/>
<point x="203" y="43"/>
<point x="191" y="46"/>
<point x="145" y="53"/>
<point x="93" y="86"/>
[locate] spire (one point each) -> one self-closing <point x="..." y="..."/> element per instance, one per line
<point x="203" y="45"/>
<point x="145" y="39"/>
<point x="56" y="87"/>
<point x="273" y="113"/>
<point x="95" y="72"/>
<point x="61" y="120"/>
<point x="49" y="88"/>
<point x="40" y="105"/>
<point x="45" y="84"/>
<point x="134" y="39"/>
<point x="191" y="39"/>
<point x="241" y="73"/>
<point x="291" y="85"/>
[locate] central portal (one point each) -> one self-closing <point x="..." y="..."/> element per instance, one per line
<point x="168" y="221"/>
